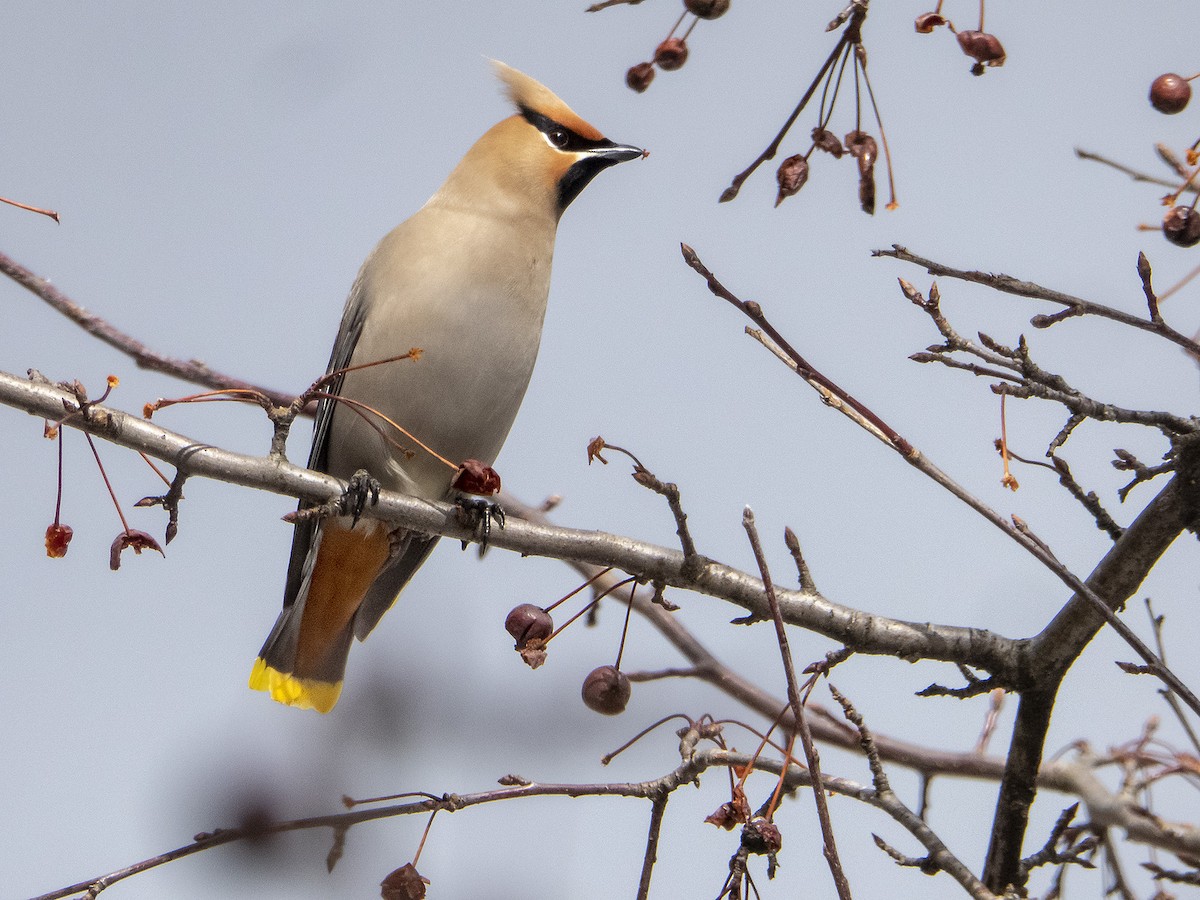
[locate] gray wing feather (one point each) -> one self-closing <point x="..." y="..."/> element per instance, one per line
<point x="353" y="317"/>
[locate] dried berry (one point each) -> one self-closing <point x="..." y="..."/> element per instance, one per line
<point x="827" y="141"/>
<point x="863" y="148"/>
<point x="1181" y="226"/>
<point x="926" y="22"/>
<point x="405" y="883"/>
<point x="1170" y="93"/>
<point x="792" y="174"/>
<point x="529" y="622"/>
<point x="671" y="54"/>
<point x="57" y="538"/>
<point x="982" y="47"/>
<point x="761" y="836"/>
<point x="866" y="191"/>
<point x="473" y="477"/>
<point x="707" y="9"/>
<point x="639" y="77"/>
<point x="606" y="690"/>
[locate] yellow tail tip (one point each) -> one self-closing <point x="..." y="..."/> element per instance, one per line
<point x="305" y="693"/>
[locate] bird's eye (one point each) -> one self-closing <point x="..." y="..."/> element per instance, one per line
<point x="559" y="138"/>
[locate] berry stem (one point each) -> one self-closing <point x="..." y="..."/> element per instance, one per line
<point x="625" y="628"/>
<point x="424" y="835"/>
<point x="107" y="483"/>
<point x="587" y="583"/>
<point x="588" y="606"/>
<point x="58" y="499"/>
<point x="678" y="22"/>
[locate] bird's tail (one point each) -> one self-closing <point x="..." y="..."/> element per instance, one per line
<point x="303" y="660"/>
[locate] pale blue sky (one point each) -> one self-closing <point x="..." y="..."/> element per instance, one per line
<point x="222" y="169"/>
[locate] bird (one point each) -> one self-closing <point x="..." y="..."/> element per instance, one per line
<point x="466" y="281"/>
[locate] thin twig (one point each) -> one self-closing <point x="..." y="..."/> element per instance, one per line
<point x="793" y="691"/>
<point x="1022" y="534"/>
<point x="850" y="35"/>
<point x="657" y="808"/>
<point x="1073" y="306"/>
<point x="48" y="213"/>
<point x="189" y="370"/>
<point x="1135" y="174"/>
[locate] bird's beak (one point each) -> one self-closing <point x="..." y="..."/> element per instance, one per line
<point x="615" y="153"/>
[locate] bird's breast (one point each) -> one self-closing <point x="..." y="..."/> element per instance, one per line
<point x="470" y="291"/>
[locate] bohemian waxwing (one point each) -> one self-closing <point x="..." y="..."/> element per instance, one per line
<point x="466" y="280"/>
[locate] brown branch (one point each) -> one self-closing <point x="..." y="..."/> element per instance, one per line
<point x="1135" y="174"/>
<point x="707" y="667"/>
<point x="48" y="213"/>
<point x="696" y="763"/>
<point x="1039" y="691"/>
<point x="753" y="311"/>
<point x="1073" y="306"/>
<point x="657" y="808"/>
<point x="188" y="370"/>
<point x="797" y="705"/>
<point x="1017" y="531"/>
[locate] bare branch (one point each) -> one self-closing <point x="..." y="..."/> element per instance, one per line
<point x="189" y="370"/>
<point x="1073" y="306"/>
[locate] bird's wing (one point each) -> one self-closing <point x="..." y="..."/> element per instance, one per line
<point x="351" y="328"/>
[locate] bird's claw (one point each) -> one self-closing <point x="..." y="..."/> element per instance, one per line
<point x="478" y="513"/>
<point x="360" y="490"/>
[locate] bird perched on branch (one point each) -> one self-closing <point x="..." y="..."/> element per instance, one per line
<point x="465" y="280"/>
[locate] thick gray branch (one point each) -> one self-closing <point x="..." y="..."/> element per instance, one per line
<point x="863" y="632"/>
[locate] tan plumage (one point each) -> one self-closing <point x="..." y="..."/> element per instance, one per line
<point x="465" y="279"/>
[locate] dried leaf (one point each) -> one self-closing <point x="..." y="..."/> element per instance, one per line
<point x="137" y="540"/>
<point x="735" y="812"/>
<point x="595" y="445"/>
<point x="926" y="22"/>
<point x="533" y="653"/>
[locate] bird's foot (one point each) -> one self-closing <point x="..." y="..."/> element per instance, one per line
<point x="360" y="490"/>
<point x="478" y="513"/>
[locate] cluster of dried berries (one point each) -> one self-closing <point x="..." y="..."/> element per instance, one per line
<point x="793" y="171"/>
<point x="672" y="53"/>
<point x="606" y="689"/>
<point x="58" y="534"/>
<point x="845" y="67"/>
<point x="1169" y="94"/>
<point x="984" y="48"/>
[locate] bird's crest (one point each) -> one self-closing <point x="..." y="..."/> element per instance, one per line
<point x="530" y="95"/>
